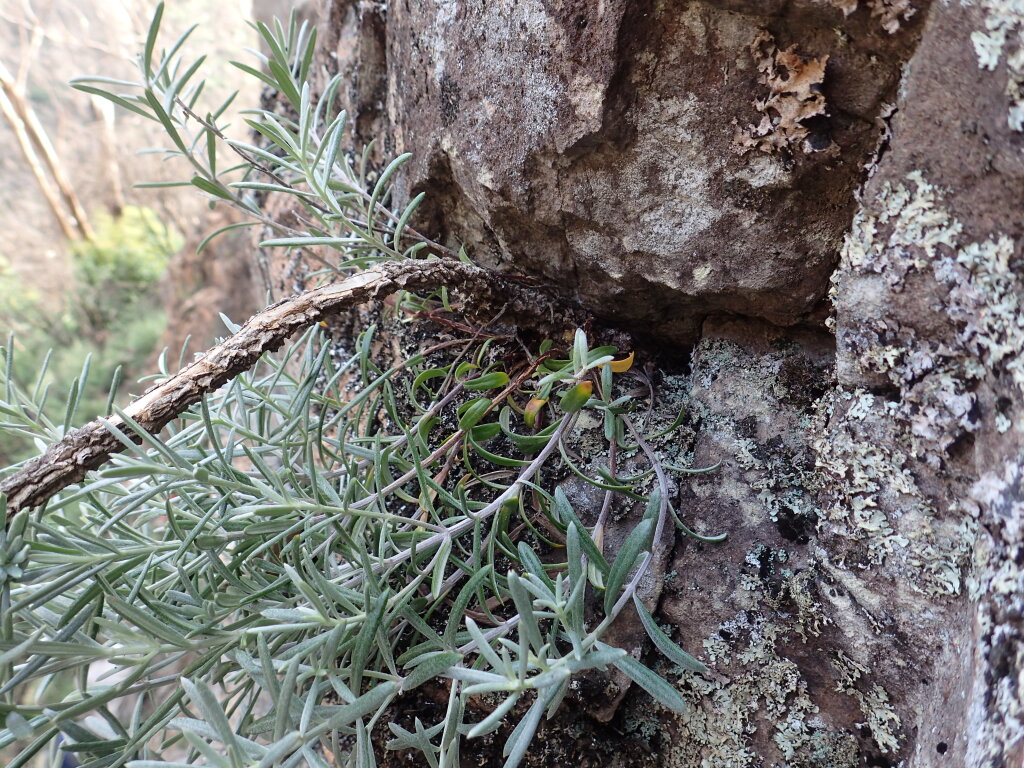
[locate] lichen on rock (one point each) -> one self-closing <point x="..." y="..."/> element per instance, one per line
<point x="908" y="231"/>
<point x="591" y="144"/>
<point x="997" y="583"/>
<point x="872" y="500"/>
<point x="890" y="13"/>
<point x="759" y="708"/>
<point x="795" y="97"/>
<point x="1003" y="38"/>
<point x="879" y="715"/>
<point x="929" y="357"/>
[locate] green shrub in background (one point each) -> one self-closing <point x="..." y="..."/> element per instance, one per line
<point x="108" y="320"/>
<point x="19" y="302"/>
<point x="120" y="266"/>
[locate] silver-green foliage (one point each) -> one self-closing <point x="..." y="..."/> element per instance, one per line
<point x="259" y="583"/>
<point x="343" y="199"/>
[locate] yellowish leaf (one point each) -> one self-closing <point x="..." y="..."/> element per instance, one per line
<point x="577" y="397"/>
<point x="621" y="366"/>
<point x="532" y="410"/>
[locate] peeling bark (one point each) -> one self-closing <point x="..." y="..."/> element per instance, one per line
<point x="66" y="461"/>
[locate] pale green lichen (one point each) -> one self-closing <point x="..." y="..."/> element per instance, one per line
<point x="989" y="305"/>
<point x="798" y="593"/>
<point x="1004" y="32"/>
<point x="770" y="386"/>
<point x="983" y="299"/>
<point x="864" y="469"/>
<point x="917" y="228"/>
<point x="874" y="498"/>
<point x="869" y="444"/>
<point x="943" y="386"/>
<point x="916" y="221"/>
<point x="780" y="486"/>
<point x="996" y="719"/>
<point x="756" y="708"/>
<point x="999" y="493"/>
<point x="996" y="715"/>
<point x="879" y="716"/>
<point x="764" y="693"/>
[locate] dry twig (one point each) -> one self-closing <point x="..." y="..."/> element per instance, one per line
<point x="80" y="450"/>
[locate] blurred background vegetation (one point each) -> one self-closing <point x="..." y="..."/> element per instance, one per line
<point x="90" y="263"/>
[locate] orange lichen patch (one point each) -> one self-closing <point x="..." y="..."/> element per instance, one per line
<point x="795" y="96"/>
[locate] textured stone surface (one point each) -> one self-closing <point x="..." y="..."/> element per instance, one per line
<point x="868" y="607"/>
<point x="927" y="448"/>
<point x="758" y="606"/>
<point x="895" y="636"/>
<point x="600" y="144"/>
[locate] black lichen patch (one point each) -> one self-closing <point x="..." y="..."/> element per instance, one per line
<point x="803" y="381"/>
<point x="451" y="95"/>
<point x="794" y="525"/>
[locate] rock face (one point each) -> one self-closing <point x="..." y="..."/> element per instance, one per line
<point x="924" y="431"/>
<point x="905" y="606"/>
<point x="701" y="155"/>
<point x="200" y="287"/>
<point x="698" y="173"/>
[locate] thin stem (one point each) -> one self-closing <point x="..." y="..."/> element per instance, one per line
<point x="471" y="519"/>
<point x="659" y="528"/>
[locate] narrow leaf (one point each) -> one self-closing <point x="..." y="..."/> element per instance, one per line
<point x="652" y="683"/>
<point x="429" y="669"/>
<point x="663" y="643"/>
<point x="638" y="540"/>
